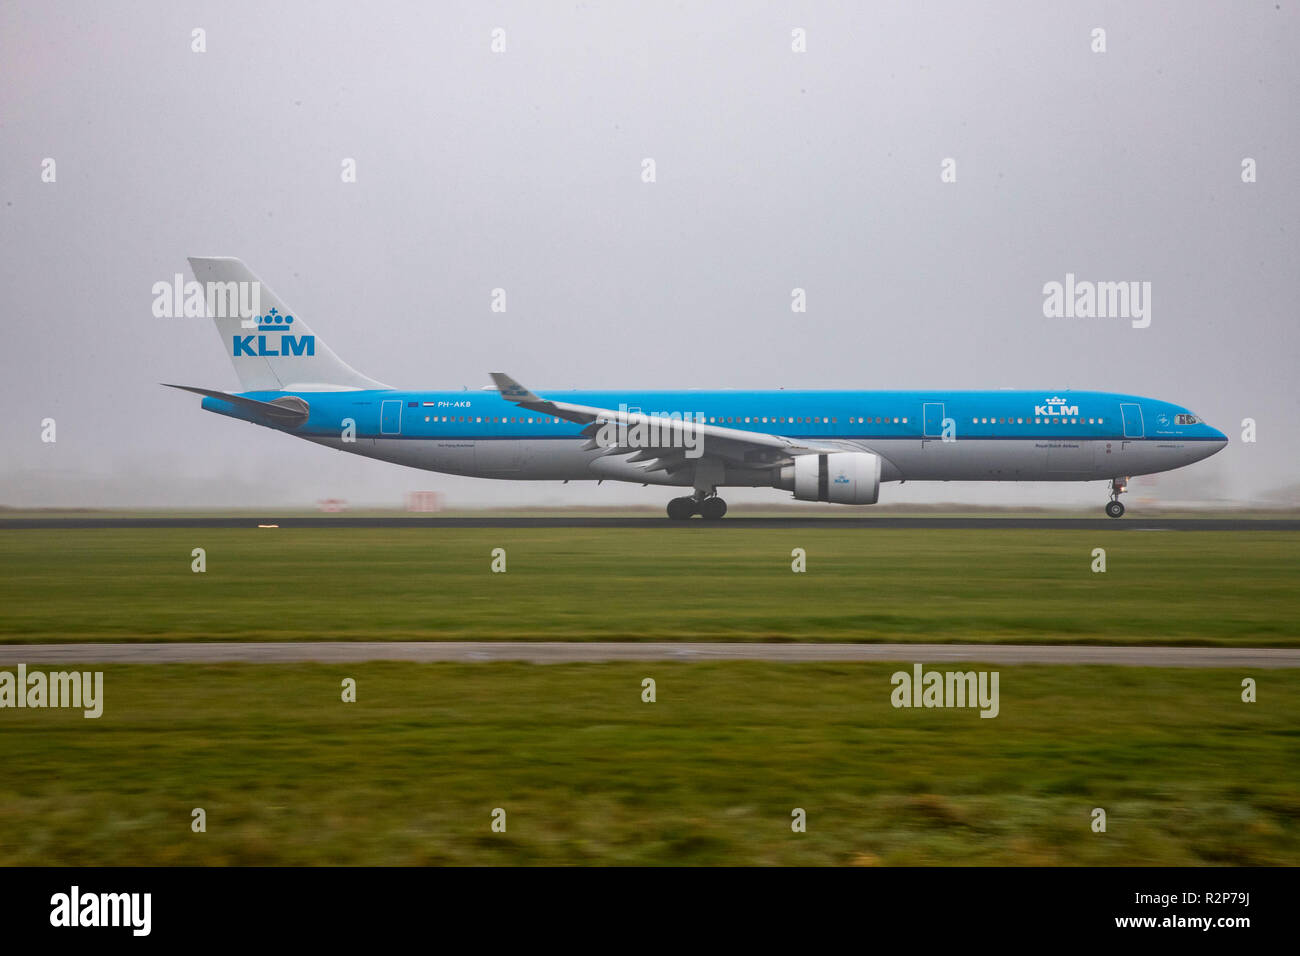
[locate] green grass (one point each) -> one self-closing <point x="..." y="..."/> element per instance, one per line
<point x="692" y="583"/>
<point x="708" y="774"/>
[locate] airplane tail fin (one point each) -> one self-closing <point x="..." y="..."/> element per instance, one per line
<point x="270" y="346"/>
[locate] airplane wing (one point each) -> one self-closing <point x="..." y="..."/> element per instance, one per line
<point x="674" y="437"/>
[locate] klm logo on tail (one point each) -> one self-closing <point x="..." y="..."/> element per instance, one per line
<point x="287" y="344"/>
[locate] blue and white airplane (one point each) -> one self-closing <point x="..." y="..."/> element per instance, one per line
<point x="835" y="446"/>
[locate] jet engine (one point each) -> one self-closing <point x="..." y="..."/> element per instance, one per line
<point x="844" y="478"/>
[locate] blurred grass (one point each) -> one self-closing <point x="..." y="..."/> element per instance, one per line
<point x="709" y="774"/>
<point x="694" y="583"/>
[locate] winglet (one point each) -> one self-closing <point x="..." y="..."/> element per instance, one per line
<point x="514" y="392"/>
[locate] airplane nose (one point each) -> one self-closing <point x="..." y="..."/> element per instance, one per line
<point x="1218" y="440"/>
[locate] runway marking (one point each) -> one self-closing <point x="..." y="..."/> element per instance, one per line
<point x="554" y="652"/>
<point x="877" y="523"/>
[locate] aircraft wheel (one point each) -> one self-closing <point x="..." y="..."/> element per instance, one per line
<point x="1115" y="509"/>
<point x="712" y="509"/>
<point x="680" y="509"/>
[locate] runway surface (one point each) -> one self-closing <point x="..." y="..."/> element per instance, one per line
<point x="877" y="523"/>
<point x="571" y="652"/>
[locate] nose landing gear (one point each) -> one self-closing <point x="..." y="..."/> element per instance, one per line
<point x="1114" y="507"/>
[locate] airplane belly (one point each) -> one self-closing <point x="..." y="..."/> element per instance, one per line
<point x="1067" y="459"/>
<point x="1001" y="460"/>
<point x="566" y="459"/>
<point x="991" y="460"/>
<point x="455" y="457"/>
<point x="534" y="459"/>
<point x="449" y="455"/>
<point x="558" y="459"/>
<point x="499" y="457"/>
<point x="1126" y="457"/>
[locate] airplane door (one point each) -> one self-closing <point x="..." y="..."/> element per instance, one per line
<point x="1133" y="426"/>
<point x="932" y="419"/>
<point x="390" y="417"/>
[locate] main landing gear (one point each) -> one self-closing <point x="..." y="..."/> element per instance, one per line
<point x="709" y="507"/>
<point x="1117" y="487"/>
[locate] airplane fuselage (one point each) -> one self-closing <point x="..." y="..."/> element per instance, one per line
<point x="934" y="435"/>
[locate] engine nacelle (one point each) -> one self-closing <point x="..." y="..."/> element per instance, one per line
<point x="842" y="477"/>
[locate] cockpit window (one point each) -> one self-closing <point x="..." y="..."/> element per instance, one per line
<point x="1186" y="420"/>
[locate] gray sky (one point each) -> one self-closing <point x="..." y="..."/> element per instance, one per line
<point x="522" y="170"/>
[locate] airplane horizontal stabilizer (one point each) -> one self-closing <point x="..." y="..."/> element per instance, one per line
<point x="289" y="410"/>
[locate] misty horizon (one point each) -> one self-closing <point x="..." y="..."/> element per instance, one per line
<point x="522" y="170"/>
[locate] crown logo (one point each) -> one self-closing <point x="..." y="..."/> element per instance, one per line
<point x="273" y="321"/>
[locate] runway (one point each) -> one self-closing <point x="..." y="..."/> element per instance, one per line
<point x="343" y="522"/>
<point x="330" y="652"/>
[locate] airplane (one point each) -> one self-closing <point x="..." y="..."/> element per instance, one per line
<point x="820" y="445"/>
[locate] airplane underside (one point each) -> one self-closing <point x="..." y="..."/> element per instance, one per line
<point x="900" y="460"/>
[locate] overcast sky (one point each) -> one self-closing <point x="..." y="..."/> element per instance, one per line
<point x="523" y="170"/>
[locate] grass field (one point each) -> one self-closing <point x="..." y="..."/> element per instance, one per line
<point x="696" y="584"/>
<point x="708" y="774"/>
